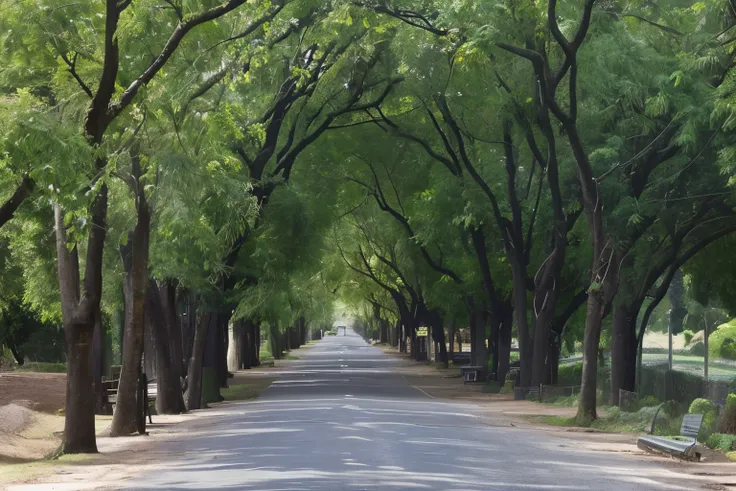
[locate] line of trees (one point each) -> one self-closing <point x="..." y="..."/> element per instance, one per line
<point x="496" y="165"/>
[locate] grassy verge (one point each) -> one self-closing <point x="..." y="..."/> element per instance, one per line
<point x="39" y="366"/>
<point x="613" y="420"/>
<point x="244" y="392"/>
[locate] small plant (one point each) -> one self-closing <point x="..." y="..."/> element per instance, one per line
<point x="720" y="441"/>
<point x="710" y="416"/>
<point x="727" y="423"/>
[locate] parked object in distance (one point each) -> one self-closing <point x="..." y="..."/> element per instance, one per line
<point x="344" y="330"/>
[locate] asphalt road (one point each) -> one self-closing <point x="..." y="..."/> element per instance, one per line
<point x="343" y="419"/>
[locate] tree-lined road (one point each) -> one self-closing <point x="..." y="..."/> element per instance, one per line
<point x="342" y="418"/>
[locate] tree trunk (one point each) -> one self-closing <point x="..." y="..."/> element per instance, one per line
<point x="79" y="431"/>
<point x="623" y="351"/>
<point x="451" y="336"/>
<point x="504" y="342"/>
<point x="167" y="294"/>
<point x="254" y="336"/>
<point x="275" y="336"/>
<point x="553" y="360"/>
<point x="169" y="399"/>
<point x="80" y="309"/>
<point x="135" y="261"/>
<point x="223" y="340"/>
<point x="97" y="361"/>
<point x="678" y="308"/>
<point x="518" y="275"/>
<point x="480" y="353"/>
<point x="493" y="344"/>
<point x="591" y="341"/>
<point x="194" y="377"/>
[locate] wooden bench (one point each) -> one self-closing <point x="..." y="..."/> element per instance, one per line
<point x="683" y="447"/>
<point x="147" y="387"/>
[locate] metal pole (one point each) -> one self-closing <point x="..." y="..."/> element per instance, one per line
<point x="705" y="338"/>
<point x="669" y="329"/>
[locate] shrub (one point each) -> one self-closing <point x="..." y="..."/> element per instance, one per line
<point x="647" y="401"/>
<point x="717" y="339"/>
<point x="728" y="349"/>
<point x="710" y="416"/>
<point x="720" y="441"/>
<point x="688" y="335"/>
<point x="727" y="424"/>
<point x="570" y="374"/>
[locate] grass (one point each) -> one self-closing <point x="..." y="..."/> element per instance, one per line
<point x="616" y="421"/>
<point x="43" y="367"/>
<point x="23" y="471"/>
<point x="244" y="392"/>
<point x="239" y="392"/>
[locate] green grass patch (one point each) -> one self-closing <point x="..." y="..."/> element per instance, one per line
<point x="242" y="392"/>
<point x="265" y="356"/>
<point x="39" y="366"/>
<point x="721" y="441"/>
<point x="289" y="356"/>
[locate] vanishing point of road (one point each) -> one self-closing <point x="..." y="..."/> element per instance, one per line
<point x="342" y="418"/>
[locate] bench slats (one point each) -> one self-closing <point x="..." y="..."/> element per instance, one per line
<point x="691" y="425"/>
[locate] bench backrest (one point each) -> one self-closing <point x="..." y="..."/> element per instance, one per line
<point x="691" y="425"/>
<point x="115" y="372"/>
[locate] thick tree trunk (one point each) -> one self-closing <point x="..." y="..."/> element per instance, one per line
<point x="275" y="338"/>
<point x="553" y="360"/>
<point x="17" y="355"/>
<point x="518" y="275"/>
<point x="135" y="261"/>
<point x="167" y="294"/>
<point x="479" y="355"/>
<point x="504" y="342"/>
<point x="97" y="367"/>
<point x="223" y="340"/>
<point x="79" y="431"/>
<point x="451" y="336"/>
<point x="194" y="377"/>
<point x="591" y="342"/>
<point x="237" y="353"/>
<point x="383" y="338"/>
<point x="254" y="337"/>
<point x="493" y="344"/>
<point x="169" y="399"/>
<point x="80" y="309"/>
<point x="623" y="351"/>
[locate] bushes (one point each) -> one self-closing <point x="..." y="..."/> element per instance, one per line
<point x="728" y="349"/>
<point x="710" y="416"/>
<point x="570" y="374"/>
<point x="720" y="441"/>
<point x="725" y="334"/>
<point x="727" y="424"/>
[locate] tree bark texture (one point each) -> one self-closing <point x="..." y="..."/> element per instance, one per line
<point x="623" y="351"/>
<point x="80" y="305"/>
<point x="194" y="377"/>
<point x="135" y="262"/>
<point x="169" y="399"/>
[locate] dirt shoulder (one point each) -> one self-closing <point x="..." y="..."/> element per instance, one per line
<point x="27" y="435"/>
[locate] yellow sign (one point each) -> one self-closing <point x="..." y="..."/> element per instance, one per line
<point x="422" y="332"/>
